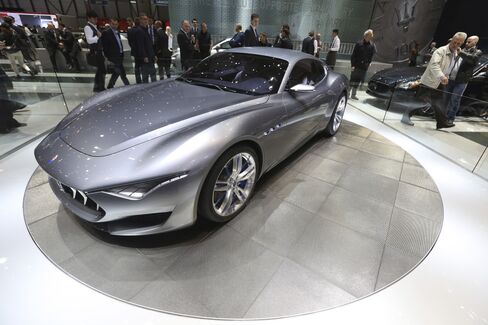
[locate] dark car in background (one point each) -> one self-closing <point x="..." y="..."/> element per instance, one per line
<point x="393" y="84"/>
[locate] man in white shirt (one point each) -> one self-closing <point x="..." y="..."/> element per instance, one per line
<point x="93" y="38"/>
<point x="334" y="48"/>
<point x="317" y="45"/>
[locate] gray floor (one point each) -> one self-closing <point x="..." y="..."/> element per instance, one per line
<point x="339" y="220"/>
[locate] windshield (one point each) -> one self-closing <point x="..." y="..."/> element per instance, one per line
<point x="481" y="63"/>
<point x="238" y="72"/>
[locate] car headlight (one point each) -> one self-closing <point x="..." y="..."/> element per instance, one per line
<point x="140" y="190"/>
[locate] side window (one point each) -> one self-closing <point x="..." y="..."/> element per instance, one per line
<point x="225" y="45"/>
<point x="318" y="72"/>
<point x="301" y="74"/>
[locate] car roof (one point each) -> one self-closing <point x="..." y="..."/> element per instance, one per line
<point x="285" y="54"/>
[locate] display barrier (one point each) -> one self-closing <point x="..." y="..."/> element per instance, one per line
<point x="403" y="107"/>
<point x="32" y="105"/>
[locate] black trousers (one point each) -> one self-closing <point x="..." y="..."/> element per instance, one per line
<point x="71" y="58"/>
<point x="187" y="63"/>
<point x="357" y="78"/>
<point x="331" y="59"/>
<point x="204" y="52"/>
<point x="100" y="74"/>
<point x="148" y="70"/>
<point x="52" y="57"/>
<point x="137" y="70"/>
<point x="118" y="70"/>
<point x="164" y="65"/>
<point x="434" y="98"/>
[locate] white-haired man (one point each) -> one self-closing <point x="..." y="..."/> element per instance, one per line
<point x="361" y="58"/>
<point x="436" y="77"/>
<point x="460" y="75"/>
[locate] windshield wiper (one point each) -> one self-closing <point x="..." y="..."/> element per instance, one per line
<point x="185" y="79"/>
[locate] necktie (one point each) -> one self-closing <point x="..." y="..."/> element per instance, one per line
<point x="119" y="42"/>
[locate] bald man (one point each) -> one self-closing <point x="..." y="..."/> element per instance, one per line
<point x="186" y="46"/>
<point x="51" y="37"/>
<point x="460" y="75"/>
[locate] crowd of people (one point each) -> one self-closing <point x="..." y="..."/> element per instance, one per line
<point x="17" y="46"/>
<point x="152" y="43"/>
<point x="446" y="77"/>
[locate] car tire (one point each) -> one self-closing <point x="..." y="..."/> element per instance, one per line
<point x="337" y="116"/>
<point x="223" y="184"/>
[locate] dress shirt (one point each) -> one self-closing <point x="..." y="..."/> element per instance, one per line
<point x="315" y="46"/>
<point x="170" y="42"/>
<point x="336" y="44"/>
<point x="150" y="29"/>
<point x="452" y="56"/>
<point x="90" y="39"/>
<point x="455" y="68"/>
<point x="117" y="37"/>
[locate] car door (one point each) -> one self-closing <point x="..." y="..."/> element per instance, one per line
<point x="304" y="110"/>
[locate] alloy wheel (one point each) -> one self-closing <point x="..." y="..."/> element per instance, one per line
<point x="339" y="113"/>
<point x="234" y="184"/>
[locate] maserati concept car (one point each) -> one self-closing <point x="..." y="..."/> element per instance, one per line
<point x="150" y="158"/>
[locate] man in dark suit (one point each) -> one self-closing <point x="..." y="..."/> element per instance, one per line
<point x="163" y="53"/>
<point x="151" y="29"/>
<point x="186" y="46"/>
<point x="69" y="43"/>
<point x="144" y="50"/>
<point x="52" y="38"/>
<point x="204" y="42"/>
<point x="251" y="35"/>
<point x="114" y="52"/>
<point x="131" y="35"/>
<point x="307" y="44"/>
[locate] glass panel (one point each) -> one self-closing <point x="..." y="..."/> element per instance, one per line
<point x="373" y="95"/>
<point x="31" y="100"/>
<point x="412" y="112"/>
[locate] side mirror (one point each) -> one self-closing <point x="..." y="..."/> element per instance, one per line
<point x="300" y="88"/>
<point x="217" y="48"/>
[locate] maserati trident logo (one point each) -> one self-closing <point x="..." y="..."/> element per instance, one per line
<point x="406" y="14"/>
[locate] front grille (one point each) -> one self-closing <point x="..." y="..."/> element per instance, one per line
<point x="133" y="222"/>
<point x="81" y="197"/>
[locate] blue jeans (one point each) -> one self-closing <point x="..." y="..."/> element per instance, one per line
<point x="453" y="96"/>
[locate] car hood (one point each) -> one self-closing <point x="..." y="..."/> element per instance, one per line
<point x="113" y="123"/>
<point x="395" y="75"/>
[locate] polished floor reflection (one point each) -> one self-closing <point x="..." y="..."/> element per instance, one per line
<point x="340" y="219"/>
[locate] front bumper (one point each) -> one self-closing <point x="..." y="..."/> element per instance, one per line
<point x="168" y="208"/>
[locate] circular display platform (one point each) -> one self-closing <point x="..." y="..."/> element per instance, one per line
<point x="340" y="219"/>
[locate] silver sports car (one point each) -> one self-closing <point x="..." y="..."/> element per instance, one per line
<point x="151" y="158"/>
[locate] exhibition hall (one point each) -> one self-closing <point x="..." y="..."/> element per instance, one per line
<point x="243" y="161"/>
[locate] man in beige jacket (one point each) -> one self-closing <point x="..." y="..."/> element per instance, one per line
<point x="436" y="77"/>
